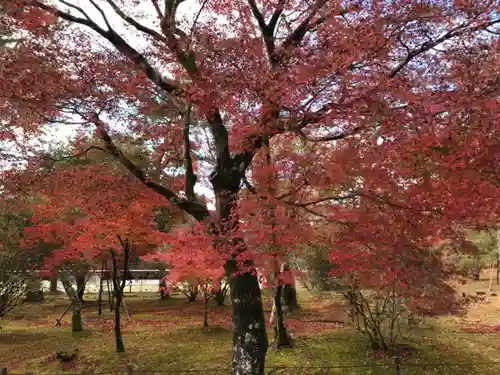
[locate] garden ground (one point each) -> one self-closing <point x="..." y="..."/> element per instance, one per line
<point x="168" y="335"/>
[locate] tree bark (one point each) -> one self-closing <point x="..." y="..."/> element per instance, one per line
<point x="76" y="306"/>
<point x="289" y="294"/>
<point x="205" y="310"/>
<point x="120" y="347"/>
<point x="53" y="284"/>
<point x="110" y="296"/>
<point x="34" y="292"/>
<point x="80" y="286"/>
<point x="220" y="294"/>
<point x="249" y="331"/>
<point x="118" y="288"/>
<point x="76" y="318"/>
<point x="281" y="338"/>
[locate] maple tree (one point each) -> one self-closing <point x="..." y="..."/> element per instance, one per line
<point x="194" y="265"/>
<point x="386" y="113"/>
<point x="83" y="224"/>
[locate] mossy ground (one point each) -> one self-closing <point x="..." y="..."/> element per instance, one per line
<point x="168" y="335"/>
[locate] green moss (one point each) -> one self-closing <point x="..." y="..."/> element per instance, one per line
<point x="167" y="335"/>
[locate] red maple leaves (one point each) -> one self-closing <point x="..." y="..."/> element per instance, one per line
<point x="83" y="210"/>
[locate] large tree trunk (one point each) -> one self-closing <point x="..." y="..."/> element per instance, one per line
<point x="249" y="330"/>
<point x="249" y="336"/>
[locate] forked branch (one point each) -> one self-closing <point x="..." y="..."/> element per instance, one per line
<point x="196" y="209"/>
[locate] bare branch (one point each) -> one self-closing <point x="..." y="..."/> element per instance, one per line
<point x="294" y="191"/>
<point x="328" y="138"/>
<point x="457" y="31"/>
<point x="131" y="21"/>
<point x="77" y="8"/>
<point x="157" y="8"/>
<point x="325" y="199"/>
<point x="75" y="156"/>
<point x="325" y="217"/>
<point x="103" y="15"/>
<point x="191" y="32"/>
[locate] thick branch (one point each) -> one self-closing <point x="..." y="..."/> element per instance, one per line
<point x="276" y="15"/>
<point x="296" y="37"/>
<point x="249" y="186"/>
<point x="266" y="30"/>
<point x="187" y="59"/>
<point x="195" y="209"/>
<point x="190" y="179"/>
<point x="328" y="138"/>
<point x="118" y="42"/>
<point x="126" y="256"/>
<point x="131" y="21"/>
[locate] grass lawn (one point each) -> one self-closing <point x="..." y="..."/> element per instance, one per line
<point x="168" y="335"/>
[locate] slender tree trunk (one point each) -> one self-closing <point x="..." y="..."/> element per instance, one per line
<point x="76" y="318"/>
<point x="34" y="292"/>
<point x="80" y="286"/>
<point x="281" y="338"/>
<point x="76" y="306"/>
<point x="119" y="287"/>
<point x="290" y="297"/>
<point x="99" y="299"/>
<point x="205" y="310"/>
<point x="53" y="284"/>
<point x="163" y="284"/>
<point x="110" y="296"/>
<point x="120" y="348"/>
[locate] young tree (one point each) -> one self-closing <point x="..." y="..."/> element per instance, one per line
<point x="84" y="224"/>
<point x="396" y="103"/>
<point x="195" y="265"/>
<point x="119" y="280"/>
<point x="13" y="278"/>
